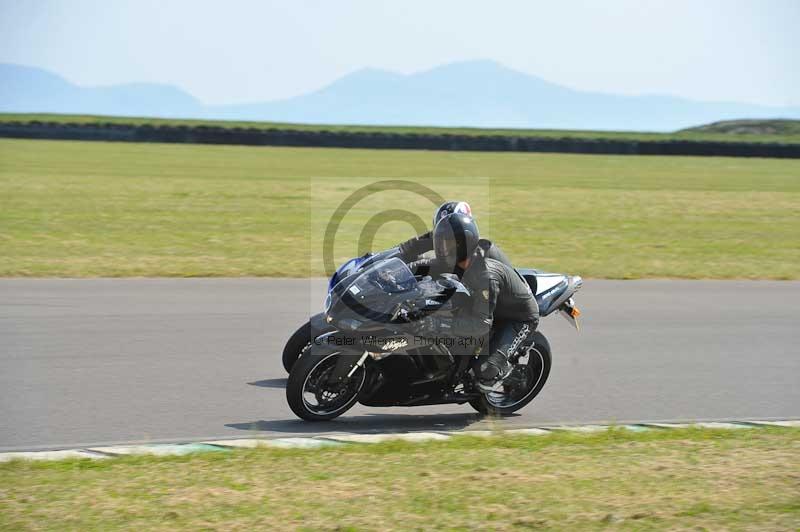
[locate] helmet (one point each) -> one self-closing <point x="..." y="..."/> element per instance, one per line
<point x="455" y="238"/>
<point x="451" y="207"/>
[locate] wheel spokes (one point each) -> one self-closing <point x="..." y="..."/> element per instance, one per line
<point x="323" y="397"/>
<point x="519" y="383"/>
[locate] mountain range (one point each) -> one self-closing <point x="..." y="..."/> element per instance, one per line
<point x="469" y="94"/>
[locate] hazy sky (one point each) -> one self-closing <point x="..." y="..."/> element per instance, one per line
<point x="238" y="51"/>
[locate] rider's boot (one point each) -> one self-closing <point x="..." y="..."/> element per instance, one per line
<point x="493" y="371"/>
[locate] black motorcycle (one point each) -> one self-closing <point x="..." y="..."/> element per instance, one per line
<point x="367" y="348"/>
<point x="301" y="339"/>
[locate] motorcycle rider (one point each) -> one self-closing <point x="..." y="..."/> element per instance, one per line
<point x="499" y="297"/>
<point x="413" y="249"/>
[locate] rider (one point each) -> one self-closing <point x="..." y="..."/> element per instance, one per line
<point x="499" y="297"/>
<point x="412" y="250"/>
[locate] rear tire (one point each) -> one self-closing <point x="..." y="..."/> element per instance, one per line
<point x="539" y="361"/>
<point x="301" y="386"/>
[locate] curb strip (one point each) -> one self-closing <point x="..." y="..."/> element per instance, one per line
<point x="340" y="439"/>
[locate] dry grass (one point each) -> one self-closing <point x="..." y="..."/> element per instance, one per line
<point x="663" y="480"/>
<point x="88" y="209"/>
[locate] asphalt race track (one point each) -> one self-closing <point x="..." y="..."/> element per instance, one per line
<point x="121" y="360"/>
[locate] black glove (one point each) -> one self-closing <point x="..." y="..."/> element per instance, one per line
<point x="420" y="267"/>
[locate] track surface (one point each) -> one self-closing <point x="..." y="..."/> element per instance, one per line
<point x="109" y="360"/>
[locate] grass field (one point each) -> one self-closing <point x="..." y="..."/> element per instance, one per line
<point x="83" y="209"/>
<point x="783" y="131"/>
<point x="682" y="479"/>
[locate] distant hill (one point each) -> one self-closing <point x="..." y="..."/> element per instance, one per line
<point x="750" y="127"/>
<point x="466" y="94"/>
<point x="26" y="89"/>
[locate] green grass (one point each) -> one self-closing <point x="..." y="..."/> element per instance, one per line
<point x="790" y="135"/>
<point x="778" y="127"/>
<point x="682" y="479"/>
<point x="84" y="209"/>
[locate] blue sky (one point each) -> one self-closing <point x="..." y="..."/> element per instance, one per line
<point x="240" y="51"/>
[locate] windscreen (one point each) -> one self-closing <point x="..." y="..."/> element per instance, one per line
<point x="390" y="276"/>
<point x="344" y="270"/>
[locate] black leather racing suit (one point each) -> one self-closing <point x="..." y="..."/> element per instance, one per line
<point x="500" y="300"/>
<point x="412" y="250"/>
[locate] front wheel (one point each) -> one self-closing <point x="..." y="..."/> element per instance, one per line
<point x="313" y="391"/>
<point x="531" y="369"/>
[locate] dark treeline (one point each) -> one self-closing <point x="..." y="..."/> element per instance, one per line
<point x="377" y="140"/>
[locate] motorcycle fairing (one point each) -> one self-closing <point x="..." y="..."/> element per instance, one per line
<point x="551" y="290"/>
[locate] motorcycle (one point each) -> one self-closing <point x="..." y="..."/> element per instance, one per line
<point x="365" y="346"/>
<point x="301" y="339"/>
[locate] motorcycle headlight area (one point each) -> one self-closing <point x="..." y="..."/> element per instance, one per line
<point x="350" y="323"/>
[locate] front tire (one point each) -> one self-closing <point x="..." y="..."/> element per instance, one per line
<point x="309" y="393"/>
<point x="532" y="367"/>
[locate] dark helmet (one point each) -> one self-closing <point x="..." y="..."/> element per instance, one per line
<point x="455" y="238"/>
<point x="451" y="207"/>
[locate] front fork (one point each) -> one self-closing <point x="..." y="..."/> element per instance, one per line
<point x="358" y="364"/>
<point x="346" y="366"/>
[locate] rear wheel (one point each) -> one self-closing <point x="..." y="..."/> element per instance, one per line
<point x="313" y="394"/>
<point x="531" y="369"/>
